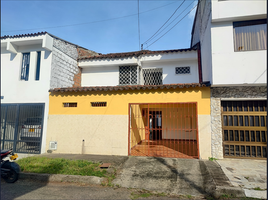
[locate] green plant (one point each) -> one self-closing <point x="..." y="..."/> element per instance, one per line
<point x="257" y="188"/>
<point x="212" y="159"/>
<point x="247" y="178"/>
<point x="141" y="194"/>
<point x="189" y="196"/>
<point x="46" y="165"/>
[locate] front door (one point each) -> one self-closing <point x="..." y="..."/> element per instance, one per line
<point x="155" y="119"/>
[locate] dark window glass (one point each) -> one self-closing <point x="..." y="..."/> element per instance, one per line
<point x="230" y="120"/>
<point x="235" y="120"/>
<point x="262" y="121"/>
<point x="248" y="151"/>
<point x="242" y="136"/>
<point x="226" y="150"/>
<point x="258" y="136"/>
<point x="241" y="121"/>
<point x="239" y="104"/>
<point x="231" y="135"/>
<point x="247" y="135"/>
<point x="246" y="120"/>
<point x="251" y="120"/>
<point x="236" y="136"/>
<point x="225" y="135"/>
<point x="264" y="152"/>
<point x="25" y="67"/>
<point x="242" y="150"/>
<point x="252" y="136"/>
<point x="234" y="106"/>
<point x="259" y="151"/>
<point x="257" y="123"/>
<point x="37" y="74"/>
<point x="263" y="136"/>
<point x="253" y="151"/>
<point x="225" y="123"/>
<point x="237" y="152"/>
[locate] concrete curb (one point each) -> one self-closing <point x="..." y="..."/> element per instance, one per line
<point x="216" y="182"/>
<point x="62" y="178"/>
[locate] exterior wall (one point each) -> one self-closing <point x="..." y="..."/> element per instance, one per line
<point x="169" y="75"/>
<point x="105" y="129"/>
<point x="235" y="68"/>
<point x="106" y="72"/>
<point x="15" y="90"/>
<point x="231" y="9"/>
<point x="202" y="33"/>
<point x="100" y="76"/>
<point x="64" y="64"/>
<point x="231" y="93"/>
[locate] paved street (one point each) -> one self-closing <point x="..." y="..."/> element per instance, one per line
<point x="36" y="190"/>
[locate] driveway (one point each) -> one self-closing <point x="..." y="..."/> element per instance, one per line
<point x="169" y="175"/>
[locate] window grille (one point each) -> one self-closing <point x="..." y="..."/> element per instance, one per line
<point x="98" y="104"/>
<point x="69" y="104"/>
<point x="25" y="66"/>
<point x="182" y="70"/>
<point x="153" y="76"/>
<point x="128" y="75"/>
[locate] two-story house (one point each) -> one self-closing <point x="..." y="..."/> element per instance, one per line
<point x="144" y="103"/>
<point x="31" y="64"/>
<point x="232" y="37"/>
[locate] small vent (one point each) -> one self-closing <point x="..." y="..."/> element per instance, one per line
<point x="52" y="145"/>
<point x="69" y="104"/>
<point x="98" y="104"/>
<point x="182" y="70"/>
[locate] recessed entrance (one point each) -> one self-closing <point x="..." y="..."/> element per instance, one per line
<point x="163" y="130"/>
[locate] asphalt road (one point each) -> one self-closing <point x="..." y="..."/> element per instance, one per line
<point x="36" y="190"/>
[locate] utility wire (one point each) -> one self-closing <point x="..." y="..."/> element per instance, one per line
<point x="170" y="22"/>
<point x="173" y="26"/>
<point x="92" y="21"/>
<point x="139" y="25"/>
<point x="164" y="23"/>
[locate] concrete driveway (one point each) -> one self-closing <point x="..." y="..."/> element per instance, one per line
<point x="169" y="175"/>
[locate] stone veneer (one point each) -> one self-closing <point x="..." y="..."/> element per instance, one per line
<point x="234" y="93"/>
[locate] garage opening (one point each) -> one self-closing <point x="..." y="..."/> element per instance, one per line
<point x="163" y="130"/>
<point x="244" y="129"/>
<point x="22" y="127"/>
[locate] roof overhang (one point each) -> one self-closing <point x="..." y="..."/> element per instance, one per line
<point x="12" y="44"/>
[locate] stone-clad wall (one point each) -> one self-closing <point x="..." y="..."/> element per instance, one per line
<point x="233" y="93"/>
<point x="64" y="64"/>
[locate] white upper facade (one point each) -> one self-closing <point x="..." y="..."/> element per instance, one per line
<point x="232" y="36"/>
<point x="155" y="68"/>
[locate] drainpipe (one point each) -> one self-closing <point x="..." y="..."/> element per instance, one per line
<point x="199" y="62"/>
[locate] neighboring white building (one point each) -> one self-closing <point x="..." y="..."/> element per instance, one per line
<point x="148" y="68"/>
<point x="31" y="64"/>
<point x="232" y="37"/>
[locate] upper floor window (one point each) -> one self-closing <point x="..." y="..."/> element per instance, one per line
<point x="25" y="67"/>
<point x="37" y="73"/>
<point x="128" y="75"/>
<point x="182" y="70"/>
<point x="250" y="35"/>
<point x="153" y="76"/>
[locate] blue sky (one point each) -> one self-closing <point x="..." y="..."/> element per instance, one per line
<point x="91" y="24"/>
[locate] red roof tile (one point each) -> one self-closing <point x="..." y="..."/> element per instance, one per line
<point x="127" y="87"/>
<point x="134" y="53"/>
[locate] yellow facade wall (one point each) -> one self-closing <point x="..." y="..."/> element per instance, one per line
<point x="105" y="129"/>
<point x="117" y="101"/>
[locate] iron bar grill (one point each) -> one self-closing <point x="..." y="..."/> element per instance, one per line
<point x="163" y="130"/>
<point x="244" y="129"/>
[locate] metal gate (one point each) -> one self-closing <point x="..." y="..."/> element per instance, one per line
<point x="163" y="130"/>
<point x="22" y="127"/>
<point x="244" y="129"/>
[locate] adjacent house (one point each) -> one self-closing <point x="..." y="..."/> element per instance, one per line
<point x="31" y="64"/>
<point x="232" y="37"/>
<point x="144" y="103"/>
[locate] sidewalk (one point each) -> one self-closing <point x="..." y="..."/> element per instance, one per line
<point x="250" y="175"/>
